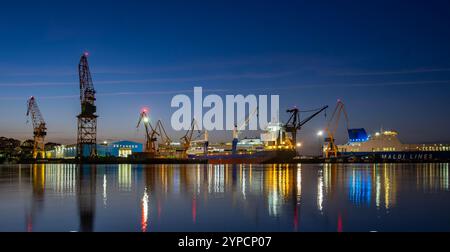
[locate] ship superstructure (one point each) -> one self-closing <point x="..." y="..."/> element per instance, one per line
<point x="385" y="144"/>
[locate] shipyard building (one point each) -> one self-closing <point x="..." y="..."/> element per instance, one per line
<point x="113" y="149"/>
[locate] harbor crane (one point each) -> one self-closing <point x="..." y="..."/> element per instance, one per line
<point x="87" y="119"/>
<point x="161" y="131"/>
<point x="150" y="133"/>
<point x="189" y="138"/>
<point x="331" y="149"/>
<point x="237" y="130"/>
<point x="39" y="128"/>
<point x="294" y="123"/>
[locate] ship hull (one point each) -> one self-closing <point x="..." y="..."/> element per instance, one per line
<point x="401" y="156"/>
<point x="260" y="157"/>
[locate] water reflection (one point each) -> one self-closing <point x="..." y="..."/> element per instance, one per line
<point x="327" y="197"/>
<point x="86" y="197"/>
<point x="145" y="202"/>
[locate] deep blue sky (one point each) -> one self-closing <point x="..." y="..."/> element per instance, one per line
<point x="389" y="61"/>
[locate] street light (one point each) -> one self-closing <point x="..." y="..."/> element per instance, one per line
<point x="320" y="134"/>
<point x="299" y="145"/>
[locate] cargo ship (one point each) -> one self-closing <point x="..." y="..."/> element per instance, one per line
<point x="273" y="146"/>
<point x="385" y="145"/>
<point x="258" y="157"/>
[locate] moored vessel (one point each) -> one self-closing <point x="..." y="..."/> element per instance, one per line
<point x="385" y="145"/>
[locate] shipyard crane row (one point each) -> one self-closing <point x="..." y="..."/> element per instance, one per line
<point x="156" y="137"/>
<point x="39" y="128"/>
<point x="87" y="119"/>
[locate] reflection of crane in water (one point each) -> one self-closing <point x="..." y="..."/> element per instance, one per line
<point x="144" y="209"/>
<point x="86" y="197"/>
<point x="38" y="187"/>
<point x="298" y="196"/>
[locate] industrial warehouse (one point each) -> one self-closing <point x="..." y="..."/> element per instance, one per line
<point x="122" y="149"/>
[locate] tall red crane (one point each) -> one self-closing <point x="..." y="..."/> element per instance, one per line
<point x="87" y="119"/>
<point x="39" y="128"/>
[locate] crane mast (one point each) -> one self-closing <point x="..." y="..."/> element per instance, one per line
<point x="237" y="130"/>
<point x="161" y="131"/>
<point x="150" y="133"/>
<point x="294" y="123"/>
<point x="187" y="139"/>
<point x="39" y="128"/>
<point x="331" y="149"/>
<point x="87" y="119"/>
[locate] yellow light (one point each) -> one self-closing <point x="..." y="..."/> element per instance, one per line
<point x="146" y="120"/>
<point x="299" y="144"/>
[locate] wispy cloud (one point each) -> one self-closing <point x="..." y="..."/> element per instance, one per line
<point x="249" y="75"/>
<point x="251" y="90"/>
<point x="399" y="72"/>
<point x="37" y="84"/>
<point x="205" y="64"/>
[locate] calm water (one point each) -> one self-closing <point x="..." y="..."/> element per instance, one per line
<point x="366" y="197"/>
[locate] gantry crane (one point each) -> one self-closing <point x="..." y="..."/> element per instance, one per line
<point x="237" y="130"/>
<point x="39" y="128"/>
<point x="150" y="133"/>
<point x="294" y="123"/>
<point x="87" y="119"/>
<point x="331" y="149"/>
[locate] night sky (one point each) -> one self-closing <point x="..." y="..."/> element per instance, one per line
<point x="389" y="61"/>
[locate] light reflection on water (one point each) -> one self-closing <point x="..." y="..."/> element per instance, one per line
<point x="330" y="197"/>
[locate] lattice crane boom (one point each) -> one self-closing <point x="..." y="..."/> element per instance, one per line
<point x="165" y="139"/>
<point x="87" y="119"/>
<point x="39" y="128"/>
<point x="189" y="138"/>
<point x="333" y="124"/>
<point x="150" y="133"/>
<point x="238" y="129"/>
<point x="87" y="91"/>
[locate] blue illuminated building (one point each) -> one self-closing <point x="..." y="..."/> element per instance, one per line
<point x="114" y="149"/>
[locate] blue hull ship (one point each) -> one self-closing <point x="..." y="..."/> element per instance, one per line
<point x="401" y="155"/>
